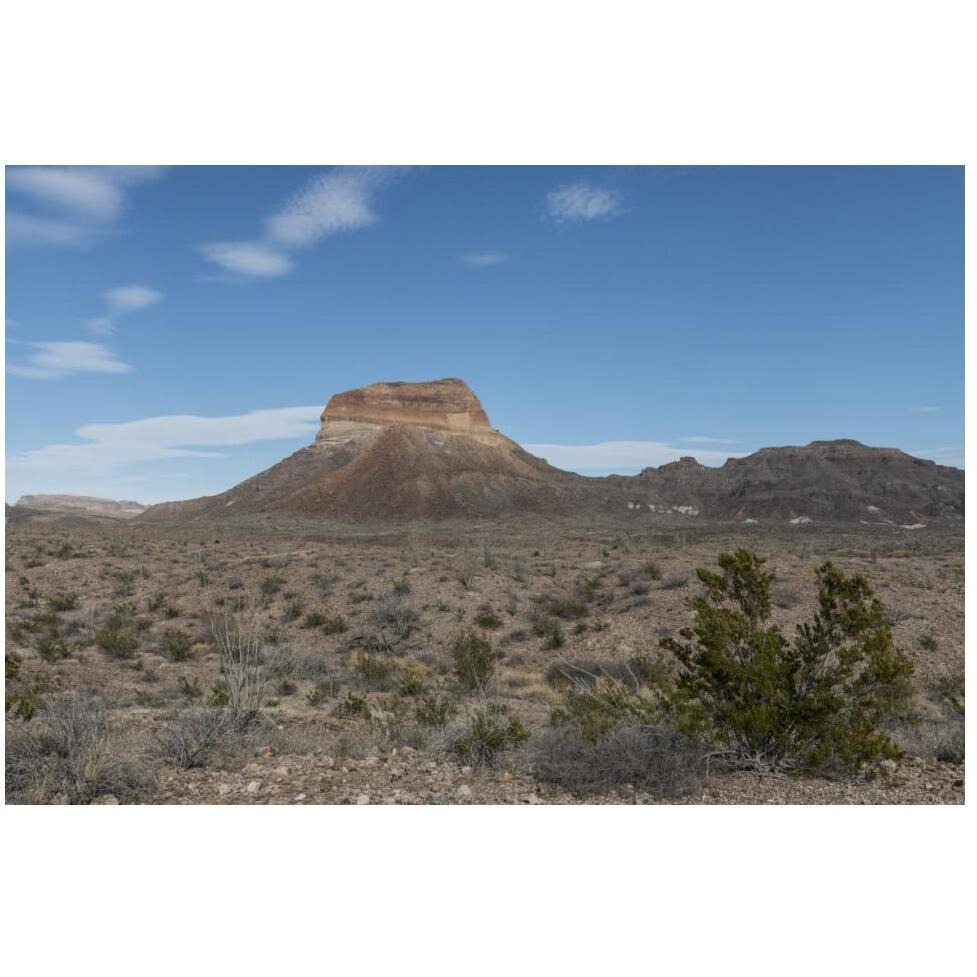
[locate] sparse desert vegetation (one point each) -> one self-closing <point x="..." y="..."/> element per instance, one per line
<point x="310" y="665"/>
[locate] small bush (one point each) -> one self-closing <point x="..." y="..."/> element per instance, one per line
<point x="294" y="609"/>
<point x="63" y="602"/>
<point x="435" y="711"/>
<point x="488" y="620"/>
<point x="353" y="707"/>
<point x="322" y="691"/>
<point x="473" y="660"/>
<point x="314" y="619"/>
<point x="116" y="639"/>
<point x="176" y="645"/>
<point x="927" y="642"/>
<point x="551" y="631"/>
<point x="25" y="703"/>
<point x="674" y="582"/>
<point x="73" y="755"/>
<point x="270" y="586"/>
<point x="52" y="649"/>
<point x="652" y="570"/>
<point x="374" y="671"/>
<point x="492" y="729"/>
<point x="190" y="739"/>
<point x="189" y="688"/>
<point x="335" y="625"/>
<point x="396" y="616"/>
<point x="658" y="759"/>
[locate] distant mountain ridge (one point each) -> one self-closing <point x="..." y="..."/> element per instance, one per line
<point x="395" y="452"/>
<point x="84" y="504"/>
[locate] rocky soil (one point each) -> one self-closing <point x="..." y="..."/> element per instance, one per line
<point x="321" y="598"/>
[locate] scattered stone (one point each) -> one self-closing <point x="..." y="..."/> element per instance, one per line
<point x="363" y="799"/>
<point x="463" y="791"/>
<point x="253" y="787"/>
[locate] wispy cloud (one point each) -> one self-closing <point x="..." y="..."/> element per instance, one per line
<point x="582" y="201"/>
<point x="52" y="360"/>
<point x="622" y="457"/>
<point x="129" y="298"/>
<point x="925" y="410"/>
<point x="118" y="452"/>
<point x="483" y="259"/>
<point x="702" y="439"/>
<point x="69" y="206"/>
<point x="248" y="258"/>
<point x="341" y="200"/>
<point x="120" y="301"/>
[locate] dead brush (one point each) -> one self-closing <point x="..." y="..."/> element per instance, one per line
<point x="239" y="649"/>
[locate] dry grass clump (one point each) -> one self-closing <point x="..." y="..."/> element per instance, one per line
<point x="657" y="759"/>
<point x="71" y="754"/>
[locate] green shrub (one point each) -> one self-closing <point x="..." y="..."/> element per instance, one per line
<point x="488" y="620"/>
<point x="63" y="602"/>
<point x="492" y="730"/>
<point x="375" y="672"/>
<point x="116" y="638"/>
<point x="551" y="631"/>
<point x="353" y="707"/>
<point x="335" y="625"/>
<point x="52" y="649"/>
<point x="435" y="711"/>
<point x="822" y="699"/>
<point x="408" y="683"/>
<point x="26" y="703"/>
<point x="176" y="644"/>
<point x="473" y="660"/>
<point x="314" y="619"/>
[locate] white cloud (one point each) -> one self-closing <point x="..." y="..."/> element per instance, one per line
<point x="702" y="439"/>
<point x="113" y="453"/>
<point x="925" y="410"/>
<point x="28" y="230"/>
<point x="120" y="301"/>
<point x="483" y="259"/>
<point x="338" y="201"/>
<point x="247" y="258"/>
<point x="57" y="359"/>
<point x="581" y="202"/>
<point x="76" y="204"/>
<point x="129" y="298"/>
<point x="620" y="456"/>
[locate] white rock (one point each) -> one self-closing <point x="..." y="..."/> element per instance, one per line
<point x="463" y="791"/>
<point x="253" y="787"/>
<point x="363" y="799"/>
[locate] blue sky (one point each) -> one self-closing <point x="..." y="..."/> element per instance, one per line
<point x="171" y="331"/>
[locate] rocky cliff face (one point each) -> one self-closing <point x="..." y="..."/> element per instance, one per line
<point x="442" y="405"/>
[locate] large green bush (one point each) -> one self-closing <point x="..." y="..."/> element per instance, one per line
<point x="823" y="698"/>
